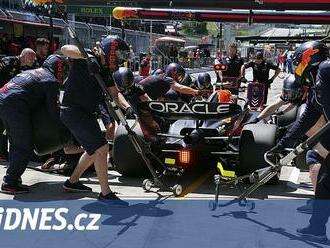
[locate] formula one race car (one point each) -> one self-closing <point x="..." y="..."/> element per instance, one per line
<point x="208" y="134"/>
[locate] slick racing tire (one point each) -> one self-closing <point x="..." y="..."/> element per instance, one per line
<point x="256" y="139"/>
<point x="47" y="136"/>
<point x="127" y="161"/>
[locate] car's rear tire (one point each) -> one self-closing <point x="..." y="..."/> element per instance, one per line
<point x="255" y="140"/>
<point x="127" y="161"/>
<point x="47" y="136"/>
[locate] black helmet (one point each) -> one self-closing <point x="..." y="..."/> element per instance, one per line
<point x="116" y="51"/>
<point x="187" y="81"/>
<point x="58" y="66"/>
<point x="175" y="71"/>
<point x="292" y="90"/>
<point x="124" y="79"/>
<point x="157" y="72"/>
<point x="308" y="55"/>
<point x="204" y="81"/>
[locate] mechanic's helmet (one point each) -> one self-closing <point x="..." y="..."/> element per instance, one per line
<point x="292" y="90"/>
<point x="204" y="81"/>
<point x="58" y="66"/>
<point x="124" y="80"/>
<point x="308" y="55"/>
<point x="175" y="71"/>
<point x="116" y="51"/>
<point x="157" y="72"/>
<point x="187" y="81"/>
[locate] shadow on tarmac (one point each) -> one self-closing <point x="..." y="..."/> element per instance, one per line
<point x="135" y="212"/>
<point x="244" y="215"/>
<point x="51" y="191"/>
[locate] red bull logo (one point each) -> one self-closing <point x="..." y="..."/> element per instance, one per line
<point x="41" y="2"/>
<point x="121" y="13"/>
<point x="305" y="59"/>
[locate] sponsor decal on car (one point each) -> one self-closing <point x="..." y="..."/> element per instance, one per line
<point x="184" y="108"/>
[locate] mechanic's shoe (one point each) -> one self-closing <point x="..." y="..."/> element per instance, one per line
<point x="112" y="199"/>
<point x="75" y="187"/>
<point x="14" y="189"/>
<point x="313" y="234"/>
<point x="308" y="208"/>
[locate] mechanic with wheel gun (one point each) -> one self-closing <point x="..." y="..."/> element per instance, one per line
<point x="261" y="69"/>
<point x="81" y="99"/>
<point x="19" y="99"/>
<point x="311" y="62"/>
<point x="293" y="95"/>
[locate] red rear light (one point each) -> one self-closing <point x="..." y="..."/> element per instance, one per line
<point x="220" y="67"/>
<point x="185" y="156"/>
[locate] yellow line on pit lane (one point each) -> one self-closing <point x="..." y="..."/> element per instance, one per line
<point x="196" y="184"/>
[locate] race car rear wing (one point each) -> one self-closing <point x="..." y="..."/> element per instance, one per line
<point x="193" y="111"/>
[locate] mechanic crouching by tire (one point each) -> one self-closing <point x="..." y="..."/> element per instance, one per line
<point x="293" y="95"/>
<point x="134" y="93"/>
<point x="19" y="99"/>
<point x="311" y="61"/>
<point x="81" y="100"/>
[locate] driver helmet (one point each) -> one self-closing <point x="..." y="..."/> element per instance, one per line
<point x="292" y="90"/>
<point x="175" y="71"/>
<point x="116" y="51"/>
<point x="58" y="66"/>
<point x="224" y="96"/>
<point x="124" y="80"/>
<point x="204" y="81"/>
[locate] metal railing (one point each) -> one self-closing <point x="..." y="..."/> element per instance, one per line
<point x="90" y="33"/>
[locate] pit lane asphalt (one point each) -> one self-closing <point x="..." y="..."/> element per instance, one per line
<point x="49" y="186"/>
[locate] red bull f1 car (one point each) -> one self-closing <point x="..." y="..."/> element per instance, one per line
<point x="199" y="135"/>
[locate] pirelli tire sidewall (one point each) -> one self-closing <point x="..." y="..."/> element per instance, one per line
<point x="127" y="161"/>
<point x="255" y="140"/>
